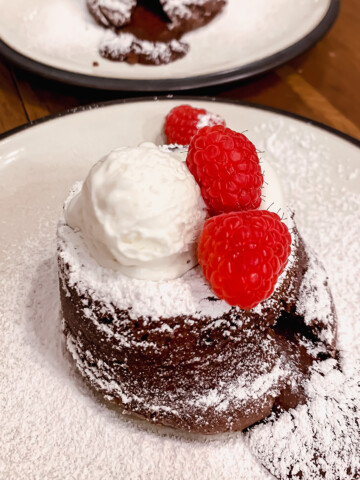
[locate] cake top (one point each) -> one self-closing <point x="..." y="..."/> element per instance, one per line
<point x="189" y="294"/>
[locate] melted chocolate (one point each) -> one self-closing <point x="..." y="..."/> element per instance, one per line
<point x="149" y="22"/>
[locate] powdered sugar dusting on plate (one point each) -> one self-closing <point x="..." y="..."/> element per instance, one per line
<point x="67" y="29"/>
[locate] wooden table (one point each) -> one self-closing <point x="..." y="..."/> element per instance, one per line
<point x="322" y="84"/>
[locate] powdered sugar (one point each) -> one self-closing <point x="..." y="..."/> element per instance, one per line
<point x="63" y="28"/>
<point x="118" y="46"/>
<point x="316" y="303"/>
<point x="119" y="11"/>
<point x="147" y="298"/>
<point x="180" y="8"/>
<point x="209" y="119"/>
<point x="122" y="6"/>
<point x="263" y="373"/>
<point x="52" y="426"/>
<point x="243" y="388"/>
<point x="319" y="301"/>
<point x="320" y="439"/>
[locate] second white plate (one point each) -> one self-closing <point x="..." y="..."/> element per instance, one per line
<point x="59" y="39"/>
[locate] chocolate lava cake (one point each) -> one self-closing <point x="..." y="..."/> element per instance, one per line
<point x="174" y="354"/>
<point x="149" y="31"/>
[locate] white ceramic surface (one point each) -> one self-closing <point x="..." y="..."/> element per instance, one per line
<point x="38" y="388"/>
<point x="62" y="34"/>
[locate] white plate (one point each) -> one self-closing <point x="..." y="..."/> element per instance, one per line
<point x="51" y="425"/>
<point x="59" y="39"/>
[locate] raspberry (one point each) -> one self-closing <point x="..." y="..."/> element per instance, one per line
<point x="183" y="122"/>
<point x="226" y="167"/>
<point x="242" y="255"/>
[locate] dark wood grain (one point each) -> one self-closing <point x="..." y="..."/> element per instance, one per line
<point x="12" y="110"/>
<point x="322" y="84"/>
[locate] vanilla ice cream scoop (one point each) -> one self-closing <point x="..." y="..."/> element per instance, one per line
<point x="140" y="211"/>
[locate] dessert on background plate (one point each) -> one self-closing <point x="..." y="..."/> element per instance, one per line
<point x="206" y="348"/>
<point x="243" y="38"/>
<point x="150" y="31"/>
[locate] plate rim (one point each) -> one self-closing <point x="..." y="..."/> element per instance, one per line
<point x="186" y="98"/>
<point x="249" y="70"/>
